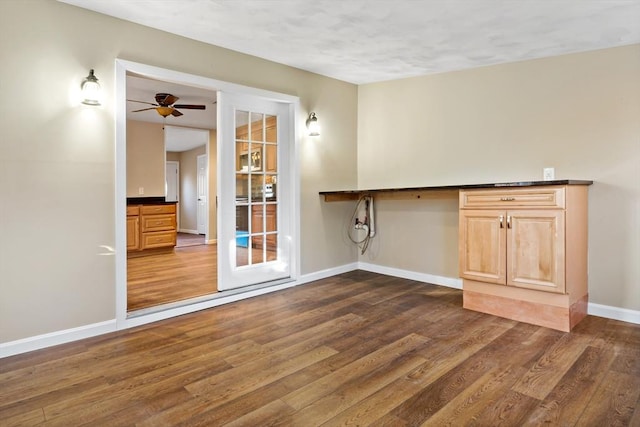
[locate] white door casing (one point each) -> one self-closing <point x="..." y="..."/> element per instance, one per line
<point x="172" y="180"/>
<point x="202" y="192"/>
<point x="125" y="67"/>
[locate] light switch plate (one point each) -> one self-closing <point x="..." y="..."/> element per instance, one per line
<point x="548" y="174"/>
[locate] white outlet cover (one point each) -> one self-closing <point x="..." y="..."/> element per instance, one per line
<point x="548" y="174"/>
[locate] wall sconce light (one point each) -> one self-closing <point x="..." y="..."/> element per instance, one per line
<point x="312" y="125"/>
<point x="90" y="90"/>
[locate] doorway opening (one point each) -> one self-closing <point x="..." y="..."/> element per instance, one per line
<point x="172" y="210"/>
<point x="215" y="252"/>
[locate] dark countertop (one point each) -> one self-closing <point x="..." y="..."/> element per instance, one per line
<point x="464" y="186"/>
<point x="148" y="201"/>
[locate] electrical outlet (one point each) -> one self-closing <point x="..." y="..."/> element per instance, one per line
<point x="548" y="174"/>
<point x="140" y="191"/>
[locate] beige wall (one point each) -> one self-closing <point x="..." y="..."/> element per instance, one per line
<point x="577" y="113"/>
<point x="145" y="159"/>
<point x="57" y="157"/>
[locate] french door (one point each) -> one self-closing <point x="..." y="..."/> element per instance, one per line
<point x="255" y="200"/>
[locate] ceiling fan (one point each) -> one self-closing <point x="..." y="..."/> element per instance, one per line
<point x="166" y="105"/>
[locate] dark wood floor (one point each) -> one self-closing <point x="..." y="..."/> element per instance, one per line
<point x="355" y="349"/>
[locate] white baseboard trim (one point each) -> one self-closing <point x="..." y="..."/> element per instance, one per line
<point x="593" y="309"/>
<point x="220" y="299"/>
<point x="38" y="342"/>
<point x="449" y="282"/>
<point x="323" y="274"/>
<point x="188" y="231"/>
<point x="615" y="313"/>
<point x="60" y="337"/>
<point x="235" y="295"/>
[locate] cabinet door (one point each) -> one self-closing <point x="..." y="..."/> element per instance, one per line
<point x="133" y="233"/>
<point x="264" y="219"/>
<point x="535" y="254"/>
<point x="482" y="245"/>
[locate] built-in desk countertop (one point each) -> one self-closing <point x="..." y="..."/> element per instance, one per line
<point x="436" y="191"/>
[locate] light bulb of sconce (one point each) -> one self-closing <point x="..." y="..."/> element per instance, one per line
<point x="90" y="90"/>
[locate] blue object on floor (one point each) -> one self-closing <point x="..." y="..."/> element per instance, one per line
<point x="242" y="238"/>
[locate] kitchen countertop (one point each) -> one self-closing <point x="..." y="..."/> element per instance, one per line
<point x="148" y="201"/>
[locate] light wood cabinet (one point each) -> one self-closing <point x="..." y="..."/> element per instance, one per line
<point x="264" y="222"/>
<point x="514" y="258"/>
<point x="263" y="145"/>
<point x="133" y="228"/>
<point x="522" y="248"/>
<point x="151" y="226"/>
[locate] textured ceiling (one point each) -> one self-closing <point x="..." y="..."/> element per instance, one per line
<point x="362" y="41"/>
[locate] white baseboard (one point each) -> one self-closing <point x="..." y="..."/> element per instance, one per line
<point x="188" y="231"/>
<point x="223" y="297"/>
<point x="609" y="312"/>
<point x="449" y="282"/>
<point x="615" y="313"/>
<point x="55" y="338"/>
<point x="323" y="274"/>
<point x="61" y="337"/>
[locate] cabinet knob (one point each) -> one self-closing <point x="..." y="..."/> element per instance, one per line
<point x="501" y="220"/>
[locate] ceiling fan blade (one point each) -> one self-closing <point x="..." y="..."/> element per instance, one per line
<point x="166" y="99"/>
<point x="190" y="106"/>
<point x="144" y="109"/>
<point x="176" y="113"/>
<point x="142" y="102"/>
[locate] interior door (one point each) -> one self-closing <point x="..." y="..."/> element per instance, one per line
<point x="255" y="231"/>
<point x="171" y="181"/>
<point x="201" y="212"/>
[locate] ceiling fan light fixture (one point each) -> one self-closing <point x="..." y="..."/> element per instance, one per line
<point x="90" y="90"/>
<point x="164" y="111"/>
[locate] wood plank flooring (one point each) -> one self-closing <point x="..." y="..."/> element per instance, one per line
<point x="186" y="272"/>
<point x="188" y="239"/>
<point x="355" y="349"/>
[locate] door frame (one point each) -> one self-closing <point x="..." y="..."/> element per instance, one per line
<point x="177" y="163"/>
<point x="205" y="220"/>
<point x="122" y="67"/>
<point x="177" y="179"/>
